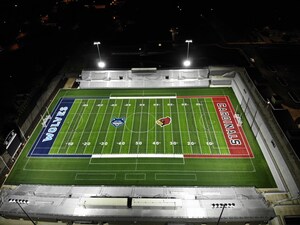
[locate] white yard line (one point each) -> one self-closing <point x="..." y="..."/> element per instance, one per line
<point x="148" y="125"/>
<point x="187" y="124"/>
<point x="132" y="126"/>
<point x="116" y="130"/>
<point x="155" y="128"/>
<point x="181" y="141"/>
<point x="170" y="108"/>
<point x="71" y="132"/>
<point x="86" y="122"/>
<point x="202" y="111"/>
<point x="122" y="139"/>
<point x="163" y="112"/>
<point x="106" y="132"/>
<point x="196" y="126"/>
<point x="213" y="129"/>
<point x="101" y="125"/>
<point x="139" y="136"/>
<point x="92" y="128"/>
<point x="143" y="97"/>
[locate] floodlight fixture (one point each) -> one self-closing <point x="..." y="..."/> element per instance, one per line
<point x="187" y="62"/>
<point x="101" y="64"/>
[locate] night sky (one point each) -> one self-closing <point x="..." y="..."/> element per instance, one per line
<point x="37" y="38"/>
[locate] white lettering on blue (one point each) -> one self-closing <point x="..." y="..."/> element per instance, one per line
<point x="55" y="124"/>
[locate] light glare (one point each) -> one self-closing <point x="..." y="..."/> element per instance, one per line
<point x="101" y="64"/>
<point x="187" y="63"/>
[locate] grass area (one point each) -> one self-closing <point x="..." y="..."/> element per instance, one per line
<point x="141" y="137"/>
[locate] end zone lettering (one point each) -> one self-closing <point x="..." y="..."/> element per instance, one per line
<point x="228" y="124"/>
<point x="55" y="123"/>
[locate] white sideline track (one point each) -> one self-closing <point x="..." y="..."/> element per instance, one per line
<point x="142" y="97"/>
<point x="137" y="156"/>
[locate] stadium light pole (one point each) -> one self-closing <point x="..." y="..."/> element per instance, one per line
<point x="187" y="62"/>
<point x="101" y="64"/>
<point x="26" y="213"/>
<point x="224" y="205"/>
<point x="22" y="133"/>
<point x="4" y="163"/>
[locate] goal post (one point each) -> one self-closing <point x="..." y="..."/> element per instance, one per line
<point x="238" y="118"/>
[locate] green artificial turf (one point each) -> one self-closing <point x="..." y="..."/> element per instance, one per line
<point x="194" y="129"/>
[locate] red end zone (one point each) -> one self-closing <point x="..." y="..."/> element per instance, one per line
<point x="233" y="133"/>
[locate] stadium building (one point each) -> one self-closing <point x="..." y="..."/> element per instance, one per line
<point x="148" y="146"/>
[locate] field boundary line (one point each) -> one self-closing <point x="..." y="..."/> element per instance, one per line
<point x="97" y="156"/>
<point x="146" y="171"/>
<point x="143" y="97"/>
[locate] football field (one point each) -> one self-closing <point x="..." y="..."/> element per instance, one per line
<point x="181" y="137"/>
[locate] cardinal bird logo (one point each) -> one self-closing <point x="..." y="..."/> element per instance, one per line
<point x="164" y="121"/>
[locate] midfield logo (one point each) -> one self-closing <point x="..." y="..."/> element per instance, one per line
<point x="117" y="122"/>
<point x="164" y="121"/>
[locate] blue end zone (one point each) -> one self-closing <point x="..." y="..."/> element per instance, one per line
<point x="47" y="136"/>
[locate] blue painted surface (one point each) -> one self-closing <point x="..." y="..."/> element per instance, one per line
<point x="47" y="136"/>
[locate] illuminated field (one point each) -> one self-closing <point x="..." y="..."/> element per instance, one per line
<point x="142" y="137"/>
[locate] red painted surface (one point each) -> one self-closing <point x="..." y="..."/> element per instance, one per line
<point x="234" y="135"/>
